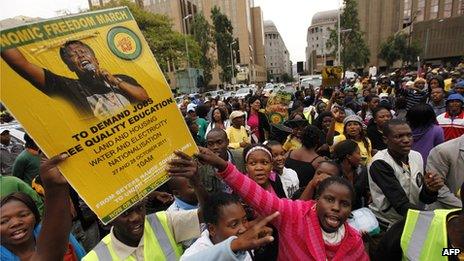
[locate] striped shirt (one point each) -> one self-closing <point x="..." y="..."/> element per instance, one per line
<point x="413" y="97"/>
<point x="300" y="236"/>
<point x="452" y="127"/>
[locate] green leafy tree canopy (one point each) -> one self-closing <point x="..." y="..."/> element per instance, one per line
<point x="396" y="47"/>
<point x="223" y="35"/>
<point x="354" y="51"/>
<point x="166" y="44"/>
<point x="203" y="35"/>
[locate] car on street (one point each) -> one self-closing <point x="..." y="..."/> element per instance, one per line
<point x="214" y="94"/>
<point x="243" y="92"/>
<point x="313" y="80"/>
<point x="228" y="94"/>
<point x="16" y="132"/>
<point x="350" y="75"/>
<point x="179" y="99"/>
<point x="268" y="88"/>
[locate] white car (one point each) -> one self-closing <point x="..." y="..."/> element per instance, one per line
<point x="243" y="92"/>
<point x="227" y="95"/>
<point x="268" y="88"/>
<point x="217" y="93"/>
<point x="314" y="80"/>
<point x="16" y="132"/>
<point x="179" y="99"/>
<point x="350" y="75"/>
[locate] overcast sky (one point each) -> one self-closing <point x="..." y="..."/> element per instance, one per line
<point x="40" y="8"/>
<point x="292" y="17"/>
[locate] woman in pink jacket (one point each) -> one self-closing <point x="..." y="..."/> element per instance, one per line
<point x="308" y="230"/>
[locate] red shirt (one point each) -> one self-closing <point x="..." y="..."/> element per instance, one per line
<point x="452" y="127"/>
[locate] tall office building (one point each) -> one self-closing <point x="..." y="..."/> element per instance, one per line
<point x="317" y="54"/>
<point x="437" y="25"/>
<point x="378" y="20"/>
<point x="277" y="56"/>
<point x="176" y="10"/>
<point x="247" y="22"/>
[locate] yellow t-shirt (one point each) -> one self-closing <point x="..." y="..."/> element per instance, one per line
<point x="236" y="136"/>
<point x="366" y="156"/>
<point x="291" y="143"/>
<point x="448" y="84"/>
<point x="339" y="127"/>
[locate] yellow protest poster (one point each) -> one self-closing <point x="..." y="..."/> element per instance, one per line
<point x="331" y="76"/>
<point x="89" y="86"/>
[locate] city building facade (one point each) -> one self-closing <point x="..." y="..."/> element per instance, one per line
<point x="437" y="25"/>
<point x="277" y="56"/>
<point x="246" y="20"/>
<point x="317" y="53"/>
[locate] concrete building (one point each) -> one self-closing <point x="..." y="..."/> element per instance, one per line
<point x="277" y="56"/>
<point x="176" y="10"/>
<point x="438" y="26"/>
<point x="378" y="20"/>
<point x="247" y="22"/>
<point x="317" y="54"/>
<point x="248" y="28"/>
<point x="381" y="19"/>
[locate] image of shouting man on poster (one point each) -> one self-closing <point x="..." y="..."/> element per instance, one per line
<point x="95" y="92"/>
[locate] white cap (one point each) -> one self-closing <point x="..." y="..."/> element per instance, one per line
<point x="191" y="107"/>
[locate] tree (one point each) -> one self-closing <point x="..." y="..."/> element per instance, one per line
<point x="411" y="52"/>
<point x="396" y="48"/>
<point x="354" y="52"/>
<point x="223" y="31"/>
<point x="202" y="32"/>
<point x="165" y="43"/>
<point x="389" y="51"/>
<point x="286" y="78"/>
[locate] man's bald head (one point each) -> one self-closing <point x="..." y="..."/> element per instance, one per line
<point x="217" y="132"/>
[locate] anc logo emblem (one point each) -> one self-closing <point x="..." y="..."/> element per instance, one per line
<point x="124" y="43"/>
<point x="276" y="118"/>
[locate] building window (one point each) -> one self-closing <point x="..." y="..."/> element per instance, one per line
<point x="434" y="9"/>
<point x="461" y="7"/>
<point x="448" y="8"/>
<point x="407" y="13"/>
<point x="420" y="10"/>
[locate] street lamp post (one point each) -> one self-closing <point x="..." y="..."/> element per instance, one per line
<point x="187" y="51"/>
<point x="232" y="62"/>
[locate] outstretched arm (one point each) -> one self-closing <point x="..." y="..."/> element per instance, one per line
<point x="56" y="224"/>
<point x="29" y="71"/>
<point x="254" y="195"/>
<point x="185" y="167"/>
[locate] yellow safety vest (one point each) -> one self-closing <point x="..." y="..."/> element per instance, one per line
<point x="425" y="235"/>
<point x="159" y="243"/>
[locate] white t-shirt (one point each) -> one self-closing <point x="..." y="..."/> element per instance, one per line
<point x="204" y="243"/>
<point x="290" y="181"/>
